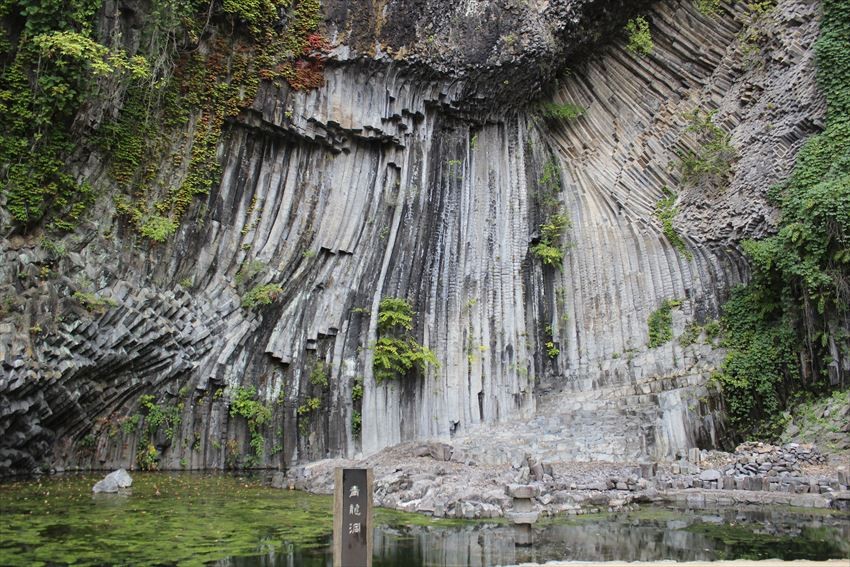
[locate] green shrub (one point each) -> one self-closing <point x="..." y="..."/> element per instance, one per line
<point x="665" y="211"/>
<point x="93" y="302"/>
<point x="396" y="353"/>
<point x="248" y="271"/>
<point x="319" y="376"/>
<point x="757" y="374"/>
<point x="257" y="414"/>
<point x="264" y="294"/>
<point x="395" y="312"/>
<point x="660" y="323"/>
<point x="357" y="389"/>
<point x="309" y="406"/>
<point x="562" y="111"/>
<point x="551" y="350"/>
<point x="157" y="416"/>
<point x="550" y="249"/>
<point x="158" y="228"/>
<point x="708" y="7"/>
<point x="713" y="159"/>
<point x="640" y="38"/>
<point x="780" y="327"/>
<point x="548" y="254"/>
<point x="394" y="357"/>
<point x="691" y="334"/>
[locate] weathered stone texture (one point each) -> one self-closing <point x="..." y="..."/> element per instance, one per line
<point x="392" y="181"/>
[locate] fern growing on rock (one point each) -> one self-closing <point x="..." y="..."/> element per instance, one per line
<point x="396" y="354"/>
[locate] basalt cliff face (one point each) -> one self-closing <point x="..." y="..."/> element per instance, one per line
<point x="423" y="168"/>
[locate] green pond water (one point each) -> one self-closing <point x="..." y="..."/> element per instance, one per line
<point x="217" y="519"/>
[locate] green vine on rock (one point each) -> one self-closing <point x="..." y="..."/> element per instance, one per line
<point x="713" y="159"/>
<point x="245" y="404"/>
<point x="660" y="323"/>
<point x="550" y="247"/>
<point x="51" y="66"/>
<point x="786" y="331"/>
<point x="665" y="211"/>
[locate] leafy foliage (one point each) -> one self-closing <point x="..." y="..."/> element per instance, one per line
<point x="264" y="294"/>
<point x="712" y="161"/>
<point x="257" y="414"/>
<point x="156" y="416"/>
<point x="53" y="68"/>
<point x="550" y="248"/>
<point x="309" y="406"/>
<point x="395" y="312"/>
<point x="51" y="65"/>
<point x="319" y="375"/>
<point x="93" y="302"/>
<point x="758" y="372"/>
<point x="548" y="254"/>
<point x="565" y="111"/>
<point x="784" y="328"/>
<point x="665" y="211"/>
<point x="708" y="7"/>
<point x="397" y="356"/>
<point x="660" y="323"/>
<point x="640" y="38"/>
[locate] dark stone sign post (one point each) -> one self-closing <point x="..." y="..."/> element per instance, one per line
<point x="353" y="518"/>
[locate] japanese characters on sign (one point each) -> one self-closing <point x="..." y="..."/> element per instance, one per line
<point x="352" y="532"/>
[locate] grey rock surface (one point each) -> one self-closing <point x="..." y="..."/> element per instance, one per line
<point x="113" y="482"/>
<point x="400" y="178"/>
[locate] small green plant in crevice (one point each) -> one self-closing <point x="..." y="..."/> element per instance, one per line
<point x="562" y="111"/>
<point x="147" y="456"/>
<point x="93" y="303"/>
<point x="304" y="411"/>
<point x="640" y="37"/>
<point x="713" y="159"/>
<point x="87" y="442"/>
<point x="548" y="186"/>
<point x="691" y="334"/>
<point x="264" y="294"/>
<point x="396" y="353"/>
<point x="754" y="34"/>
<point x="356" y="422"/>
<point x="552" y="351"/>
<point x="246" y="405"/>
<point x="550" y="249"/>
<point x="131" y="423"/>
<point x="357" y="389"/>
<point x="319" y="375"/>
<point x="660" y="323"/>
<point x="665" y="211"/>
<point x="248" y="271"/>
<point x="155" y="416"/>
<point x="309" y="406"/>
<point x="157" y="227"/>
<point x="708" y="7"/>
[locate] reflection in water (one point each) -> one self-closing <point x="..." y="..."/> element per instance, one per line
<point x="238" y="521"/>
<point x="646" y="535"/>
